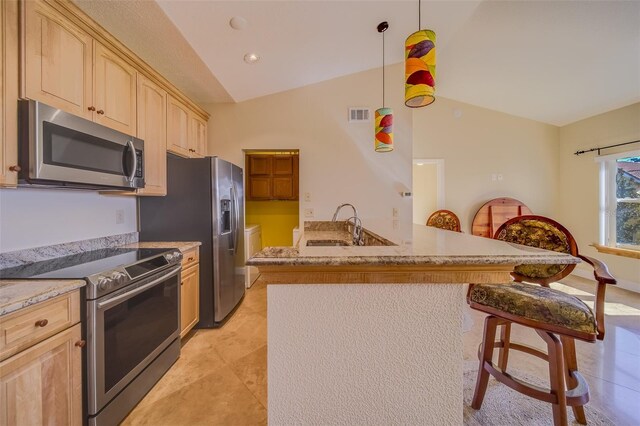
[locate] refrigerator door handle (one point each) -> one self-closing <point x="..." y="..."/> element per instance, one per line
<point x="236" y="217"/>
<point x="233" y="220"/>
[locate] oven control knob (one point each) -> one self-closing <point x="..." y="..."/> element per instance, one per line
<point x="177" y="255"/>
<point x="103" y="283"/>
<point x="118" y="277"/>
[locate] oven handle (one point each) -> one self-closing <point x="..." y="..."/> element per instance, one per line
<point x="134" y="168"/>
<point x="114" y="301"/>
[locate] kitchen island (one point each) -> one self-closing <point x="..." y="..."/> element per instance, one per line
<point x="373" y="334"/>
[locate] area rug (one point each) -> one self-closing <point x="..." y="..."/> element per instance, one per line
<point x="503" y="406"/>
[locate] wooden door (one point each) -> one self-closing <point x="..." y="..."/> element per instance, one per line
<point x="189" y="299"/>
<point x="8" y="93"/>
<point x="259" y="188"/>
<point x="115" y="91"/>
<point x="177" y="127"/>
<point x="283" y="188"/>
<point x="58" y="60"/>
<point x="43" y="384"/>
<point x="152" y="128"/>
<point x="198" y="137"/>
<point x="283" y="164"/>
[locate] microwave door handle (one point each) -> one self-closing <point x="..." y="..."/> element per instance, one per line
<point x="134" y="159"/>
<point x="115" y="300"/>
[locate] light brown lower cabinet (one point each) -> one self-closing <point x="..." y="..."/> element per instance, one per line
<point x="189" y="299"/>
<point x="43" y="384"/>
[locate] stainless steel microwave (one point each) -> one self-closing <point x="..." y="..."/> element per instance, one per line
<point x="60" y="149"/>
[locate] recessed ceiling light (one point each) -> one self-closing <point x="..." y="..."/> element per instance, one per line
<point x="420" y="164"/>
<point x="238" y="23"/>
<point x="251" y="58"/>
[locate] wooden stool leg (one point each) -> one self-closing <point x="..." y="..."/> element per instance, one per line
<point x="571" y="364"/>
<point x="503" y="353"/>
<point x="556" y="376"/>
<point x="490" y="325"/>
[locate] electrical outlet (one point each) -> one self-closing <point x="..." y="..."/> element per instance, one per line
<point x="395" y="212"/>
<point x="308" y="212"/>
<point x="119" y="217"/>
<point x="494" y="177"/>
<point x="396" y="223"/>
<point x="500" y="176"/>
<point x="307" y="197"/>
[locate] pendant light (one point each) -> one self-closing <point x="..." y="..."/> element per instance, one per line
<point x="420" y="66"/>
<point x="384" y="116"/>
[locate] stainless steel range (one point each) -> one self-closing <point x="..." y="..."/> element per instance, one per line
<point x="132" y="321"/>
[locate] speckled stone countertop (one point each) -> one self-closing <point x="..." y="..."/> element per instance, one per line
<point x="18" y="294"/>
<point x="418" y="245"/>
<point x="180" y="245"/>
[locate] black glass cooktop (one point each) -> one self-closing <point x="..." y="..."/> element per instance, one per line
<point x="81" y="265"/>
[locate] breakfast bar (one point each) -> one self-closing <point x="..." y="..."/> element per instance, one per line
<point x="372" y="334"/>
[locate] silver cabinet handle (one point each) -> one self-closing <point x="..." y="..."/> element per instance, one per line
<point x="135" y="161"/>
<point x="115" y="300"/>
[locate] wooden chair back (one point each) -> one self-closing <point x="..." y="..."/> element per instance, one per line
<point x="496" y="212"/>
<point x="444" y="219"/>
<point x="540" y="232"/>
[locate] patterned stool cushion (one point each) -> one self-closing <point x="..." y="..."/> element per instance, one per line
<point x="536" y="303"/>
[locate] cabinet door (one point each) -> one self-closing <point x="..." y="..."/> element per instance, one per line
<point x="259" y="188"/>
<point x="260" y="165"/>
<point x="8" y="93"/>
<point x="177" y="127"/>
<point x="43" y="384"/>
<point x="189" y="299"/>
<point x="198" y="137"/>
<point x="152" y="128"/>
<point x="115" y="91"/>
<point x="58" y="60"/>
<point x="283" y="188"/>
<point x="282" y="164"/>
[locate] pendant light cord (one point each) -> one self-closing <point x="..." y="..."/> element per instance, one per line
<point x="419" y="14"/>
<point x="383" y="70"/>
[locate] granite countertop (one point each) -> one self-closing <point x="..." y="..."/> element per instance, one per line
<point x="18" y="294"/>
<point x="180" y="245"/>
<point x="415" y="245"/>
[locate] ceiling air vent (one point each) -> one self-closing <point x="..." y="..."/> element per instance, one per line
<point x="359" y="115"/>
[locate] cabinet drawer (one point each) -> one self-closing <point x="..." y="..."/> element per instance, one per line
<point x="26" y="327"/>
<point x="190" y="257"/>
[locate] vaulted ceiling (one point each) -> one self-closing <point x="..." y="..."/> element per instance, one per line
<point x="551" y="61"/>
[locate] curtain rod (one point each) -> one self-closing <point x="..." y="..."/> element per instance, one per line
<point x="604" y="147"/>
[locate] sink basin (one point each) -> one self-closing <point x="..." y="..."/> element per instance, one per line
<point x="326" y="243"/>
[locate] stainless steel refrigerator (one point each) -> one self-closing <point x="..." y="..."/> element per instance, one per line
<point x="204" y="202"/>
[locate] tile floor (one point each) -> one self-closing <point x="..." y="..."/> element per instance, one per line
<point x="221" y="377"/>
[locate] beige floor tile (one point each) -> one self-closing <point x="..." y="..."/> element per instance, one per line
<point x="219" y="398"/>
<point x="252" y="370"/>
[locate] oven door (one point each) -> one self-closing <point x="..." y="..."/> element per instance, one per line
<point x="62" y="147"/>
<point x="127" y="330"/>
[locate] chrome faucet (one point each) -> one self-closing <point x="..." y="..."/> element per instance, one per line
<point x="335" y="215"/>
<point x="357" y="223"/>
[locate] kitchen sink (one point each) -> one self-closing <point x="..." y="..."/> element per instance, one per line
<point x="326" y="243"/>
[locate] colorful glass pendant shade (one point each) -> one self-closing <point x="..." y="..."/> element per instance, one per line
<point x="384" y="115"/>
<point x="384" y="130"/>
<point x="420" y="67"/>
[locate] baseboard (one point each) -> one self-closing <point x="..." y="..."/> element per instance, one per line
<point x="588" y="274"/>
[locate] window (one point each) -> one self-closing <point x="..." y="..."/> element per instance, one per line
<point x="620" y="200"/>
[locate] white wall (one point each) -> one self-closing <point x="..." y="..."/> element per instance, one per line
<point x="38" y="217"/>
<point x="476" y="143"/>
<point x="337" y="160"/>
<point x="579" y="184"/>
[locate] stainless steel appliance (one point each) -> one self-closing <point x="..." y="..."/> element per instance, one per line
<point x="57" y="148"/>
<point x="204" y="202"/>
<point x="132" y="324"/>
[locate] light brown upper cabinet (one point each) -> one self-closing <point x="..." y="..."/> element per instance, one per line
<point x="8" y="93"/>
<point x="152" y="119"/>
<point x="67" y="69"/>
<point x="58" y="61"/>
<point x="186" y="131"/>
<point x="114" y="91"/>
<point x="272" y="177"/>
